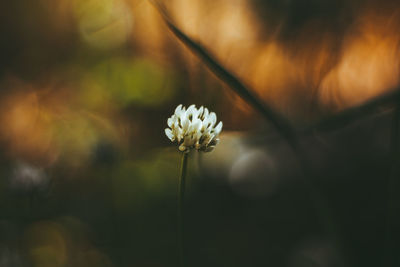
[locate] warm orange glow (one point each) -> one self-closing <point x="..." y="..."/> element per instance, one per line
<point x="149" y="32"/>
<point x="315" y="70"/>
<point x="24" y="127"/>
<point x="45" y="125"/>
<point x="368" y="66"/>
<point x="318" y="69"/>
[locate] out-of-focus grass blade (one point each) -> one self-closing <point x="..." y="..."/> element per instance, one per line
<point x="333" y="122"/>
<point x="280" y="123"/>
<point x="350" y="115"/>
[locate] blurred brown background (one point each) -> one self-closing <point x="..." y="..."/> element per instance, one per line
<point x="89" y="178"/>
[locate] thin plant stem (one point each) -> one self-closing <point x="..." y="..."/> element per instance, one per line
<point x="181" y="203"/>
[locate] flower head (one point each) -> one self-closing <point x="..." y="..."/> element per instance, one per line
<point x="194" y="128"/>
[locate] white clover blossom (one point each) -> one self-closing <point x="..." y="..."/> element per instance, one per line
<point x="194" y="128"/>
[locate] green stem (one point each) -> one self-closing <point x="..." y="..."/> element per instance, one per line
<point x="181" y="198"/>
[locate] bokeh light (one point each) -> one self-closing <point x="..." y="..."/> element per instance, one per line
<point x="103" y="24"/>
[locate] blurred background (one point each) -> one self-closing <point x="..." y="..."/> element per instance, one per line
<point x="88" y="177"/>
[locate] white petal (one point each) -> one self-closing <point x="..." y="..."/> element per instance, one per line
<point x="200" y="112"/>
<point x="203" y="127"/>
<point x="205" y="115"/>
<point x="170" y="121"/>
<point x="191" y="112"/>
<point x="175" y="124"/>
<point x="169" y="134"/>
<point x="185" y="124"/>
<point x="218" y="128"/>
<point x="177" y="132"/>
<point x="206" y="122"/>
<point x="196" y="124"/>
<point x="191" y="108"/>
<point x="212" y="118"/>
<point x="178" y="109"/>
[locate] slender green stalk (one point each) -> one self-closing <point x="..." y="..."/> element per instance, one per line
<point x="181" y="198"/>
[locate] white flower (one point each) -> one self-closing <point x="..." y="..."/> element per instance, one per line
<point x="194" y="128"/>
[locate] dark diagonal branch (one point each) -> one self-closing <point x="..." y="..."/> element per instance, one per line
<point x="349" y="115"/>
<point x="333" y="122"/>
<point x="279" y="122"/>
